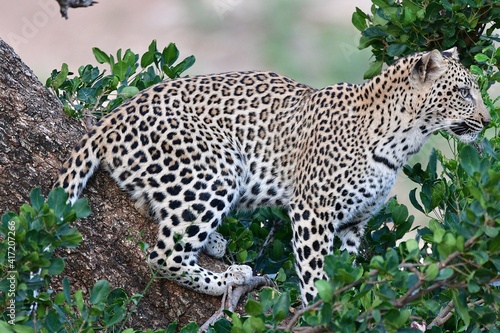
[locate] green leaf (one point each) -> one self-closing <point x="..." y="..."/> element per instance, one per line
<point x="117" y="296"/>
<point x="5" y="327"/>
<point x="395" y="50"/>
<point x="59" y="299"/>
<point x="71" y="238"/>
<point x="190" y="328"/>
<point x="130" y="58"/>
<point x="66" y="290"/>
<point x="256" y="324"/>
<point x="118" y="315"/>
<point x="397" y="318"/>
<point x="129" y="330"/>
<point x="481" y="57"/>
<point x="100" y="56"/>
<point x="414" y="202"/>
<point x="473" y="287"/>
<point x="447" y="5"/>
<point x="481" y="257"/>
<point x="399" y="214"/>
<point x="53" y="322"/>
<point x="364" y="42"/>
<point x="237" y="324"/>
<point x="86" y="95"/>
<point x="282" y="307"/>
<point x="82" y="208"/>
<point x="21" y="329"/>
<point x="277" y="251"/>
<point x="445" y="273"/>
<point x="80" y="304"/>
<point x="470" y="160"/>
<point x="374" y="69"/>
<point x="56" y="266"/>
<point x="439" y="235"/>
<point x="99" y="292"/>
<point x="359" y="19"/>
<point x="60" y="77"/>
<point x="242" y="256"/>
<point x="222" y="326"/>
<point x="36" y="199"/>
<point x="57" y="201"/>
<point x="496" y="76"/>
<point x="129" y="91"/>
<point x="491" y="232"/>
<point x="120" y="69"/>
<point x="376" y="315"/>
<point x="438" y="191"/>
<point x="147" y="59"/>
<point x="373" y="31"/>
<point x="152" y="47"/>
<point x="253" y="308"/>
<point x="409" y="15"/>
<point x="168" y="71"/>
<point x="170" y="54"/>
<point x="460" y="303"/>
<point x="325" y="290"/>
<point x="412" y="248"/>
<point x="172" y="327"/>
<point x="184" y="65"/>
<point x="432" y="271"/>
<point x="266" y="297"/>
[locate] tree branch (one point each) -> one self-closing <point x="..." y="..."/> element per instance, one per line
<point x="65" y="4"/>
<point x="232" y="297"/>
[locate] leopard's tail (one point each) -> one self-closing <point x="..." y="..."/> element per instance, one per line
<point x="80" y="166"/>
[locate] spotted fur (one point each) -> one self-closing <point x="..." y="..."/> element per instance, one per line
<point x="195" y="148"/>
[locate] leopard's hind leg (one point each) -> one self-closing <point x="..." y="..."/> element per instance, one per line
<point x="189" y="216"/>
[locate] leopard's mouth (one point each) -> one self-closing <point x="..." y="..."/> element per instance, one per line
<point x="461" y="129"/>
<point x="465" y="132"/>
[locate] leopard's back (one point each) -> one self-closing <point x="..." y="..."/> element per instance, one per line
<point x="244" y="119"/>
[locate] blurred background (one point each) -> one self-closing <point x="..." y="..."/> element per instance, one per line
<point x="310" y="41"/>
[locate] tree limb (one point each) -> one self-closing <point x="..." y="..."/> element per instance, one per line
<point x="232" y="297"/>
<point x="65" y="4"/>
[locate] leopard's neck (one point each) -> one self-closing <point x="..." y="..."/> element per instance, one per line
<point x="392" y="117"/>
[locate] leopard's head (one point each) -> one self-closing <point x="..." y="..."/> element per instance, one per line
<point x="452" y="99"/>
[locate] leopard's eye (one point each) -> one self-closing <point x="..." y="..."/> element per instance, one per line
<point x="464" y="92"/>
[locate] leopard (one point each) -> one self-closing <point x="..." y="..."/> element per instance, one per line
<point x="193" y="149"/>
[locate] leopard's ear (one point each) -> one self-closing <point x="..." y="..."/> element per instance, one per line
<point x="428" y="68"/>
<point x="451" y="53"/>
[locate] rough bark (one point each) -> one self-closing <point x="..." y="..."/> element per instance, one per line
<point x="35" y="137"/>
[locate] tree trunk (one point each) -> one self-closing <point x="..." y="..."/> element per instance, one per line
<point x="35" y="138"/>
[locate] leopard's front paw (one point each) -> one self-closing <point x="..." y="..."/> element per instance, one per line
<point x="238" y="275"/>
<point x="216" y="245"/>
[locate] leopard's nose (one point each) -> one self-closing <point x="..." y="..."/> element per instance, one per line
<point x="485" y="116"/>
<point x="485" y="121"/>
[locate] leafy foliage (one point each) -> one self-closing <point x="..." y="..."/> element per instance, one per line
<point x="93" y="92"/>
<point x="398" y="28"/>
<point x="30" y="239"/>
<point x="27" y="263"/>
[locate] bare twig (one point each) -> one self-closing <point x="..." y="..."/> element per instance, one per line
<point x="65" y="4"/>
<point x="313" y="329"/>
<point x="233" y="295"/>
<point x="268" y="239"/>
<point x="443" y="315"/>
<point x="239" y="291"/>
<point x="299" y="314"/>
